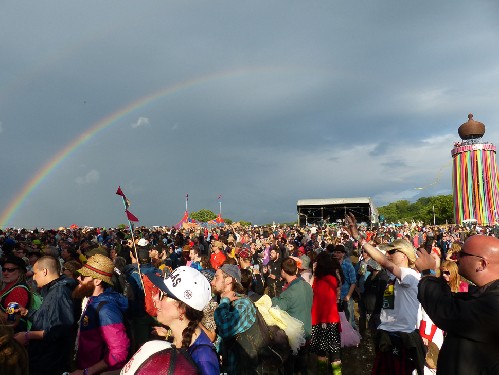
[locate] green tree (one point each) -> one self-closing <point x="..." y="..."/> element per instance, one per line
<point x="425" y="209"/>
<point x="203" y="215"/>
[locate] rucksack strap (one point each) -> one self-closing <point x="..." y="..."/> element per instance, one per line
<point x="6" y="293"/>
<point x="173" y="359"/>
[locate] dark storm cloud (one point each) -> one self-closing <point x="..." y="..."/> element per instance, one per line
<point x="272" y="103"/>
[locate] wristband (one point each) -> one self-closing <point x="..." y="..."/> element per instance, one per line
<point x="428" y="272"/>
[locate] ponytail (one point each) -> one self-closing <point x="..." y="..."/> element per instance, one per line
<point x="194" y="317"/>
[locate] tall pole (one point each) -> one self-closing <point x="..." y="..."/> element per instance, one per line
<point x="433" y="214"/>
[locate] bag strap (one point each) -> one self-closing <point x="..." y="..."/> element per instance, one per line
<point x="173" y="359"/>
<point x="100" y="305"/>
<point x="2" y="297"/>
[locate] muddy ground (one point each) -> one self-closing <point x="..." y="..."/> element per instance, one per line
<point x="358" y="361"/>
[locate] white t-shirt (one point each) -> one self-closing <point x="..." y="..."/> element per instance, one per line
<point x="400" y="302"/>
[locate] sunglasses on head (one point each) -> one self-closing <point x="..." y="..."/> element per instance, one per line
<point x="5" y="269"/>
<point x="391" y="252"/>
<point x="446" y="273"/>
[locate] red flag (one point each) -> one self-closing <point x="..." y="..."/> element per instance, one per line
<point x="131" y="216"/>
<point x="119" y="192"/>
<point x="125" y="199"/>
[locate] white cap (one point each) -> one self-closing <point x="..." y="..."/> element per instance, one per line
<point x="143" y="242"/>
<point x="185" y="284"/>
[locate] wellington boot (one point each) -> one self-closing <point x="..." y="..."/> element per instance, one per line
<point x="336" y="368"/>
<point x="322" y="368"/>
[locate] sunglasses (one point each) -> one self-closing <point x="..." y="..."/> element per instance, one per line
<point x="5" y="269"/>
<point x="162" y="295"/>
<point x="463" y="253"/>
<point x="446" y="273"/>
<point x="391" y="252"/>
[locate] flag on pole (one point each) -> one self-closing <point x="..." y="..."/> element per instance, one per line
<point x="131" y="216"/>
<point x="219" y="197"/>
<point x="125" y="199"/>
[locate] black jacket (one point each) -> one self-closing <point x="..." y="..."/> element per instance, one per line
<point x="471" y="322"/>
<point x="52" y="354"/>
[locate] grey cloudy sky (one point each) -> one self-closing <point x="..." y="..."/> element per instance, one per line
<point x="262" y="102"/>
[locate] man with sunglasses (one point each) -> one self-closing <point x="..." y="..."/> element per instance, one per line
<point x="399" y="347"/>
<point x="470" y="319"/>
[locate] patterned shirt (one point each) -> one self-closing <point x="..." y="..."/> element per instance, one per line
<point x="231" y="319"/>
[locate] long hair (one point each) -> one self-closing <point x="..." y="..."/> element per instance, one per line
<point x="13" y="356"/>
<point x="454" y="277"/>
<point x="327" y="265"/>
<point x="194" y="317"/>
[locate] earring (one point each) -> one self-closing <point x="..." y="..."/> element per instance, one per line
<point x="181" y="317"/>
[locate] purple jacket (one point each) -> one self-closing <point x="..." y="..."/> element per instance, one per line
<point x="102" y="333"/>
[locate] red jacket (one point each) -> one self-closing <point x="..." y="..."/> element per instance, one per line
<point x="324" y="305"/>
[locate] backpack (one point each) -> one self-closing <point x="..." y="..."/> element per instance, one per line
<point x="160" y="357"/>
<point x="34" y="301"/>
<point x="263" y="348"/>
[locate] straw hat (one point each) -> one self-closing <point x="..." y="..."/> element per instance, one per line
<point x="98" y="267"/>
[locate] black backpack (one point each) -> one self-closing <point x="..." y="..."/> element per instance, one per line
<point x="263" y="349"/>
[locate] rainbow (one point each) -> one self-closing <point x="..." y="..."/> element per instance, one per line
<point x="35" y="181"/>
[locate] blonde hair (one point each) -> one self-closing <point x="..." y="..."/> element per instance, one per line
<point x="454" y="277"/>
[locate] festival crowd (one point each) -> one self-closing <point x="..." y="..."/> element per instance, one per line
<point x="249" y="300"/>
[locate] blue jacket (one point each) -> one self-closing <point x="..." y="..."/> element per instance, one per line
<point x="102" y="332"/>
<point x="55" y="316"/>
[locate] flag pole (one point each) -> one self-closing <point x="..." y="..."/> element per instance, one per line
<point x="130" y="226"/>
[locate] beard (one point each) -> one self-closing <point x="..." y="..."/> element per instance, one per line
<point x="83" y="290"/>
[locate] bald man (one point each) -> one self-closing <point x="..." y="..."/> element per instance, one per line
<point x="471" y="320"/>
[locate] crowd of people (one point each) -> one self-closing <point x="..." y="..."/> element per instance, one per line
<point x="108" y="301"/>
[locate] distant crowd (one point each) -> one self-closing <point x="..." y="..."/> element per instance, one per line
<point x="247" y="300"/>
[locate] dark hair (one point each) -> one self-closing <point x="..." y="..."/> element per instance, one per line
<point x="330" y="248"/>
<point x="289" y="266"/>
<point x="13" y="357"/>
<point x="194" y="317"/>
<point x="50" y="263"/>
<point x="246" y="279"/>
<point x="327" y="265"/>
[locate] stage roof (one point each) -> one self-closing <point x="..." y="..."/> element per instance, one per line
<point x="332" y="201"/>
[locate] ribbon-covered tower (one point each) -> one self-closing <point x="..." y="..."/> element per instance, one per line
<point x="474" y="176"/>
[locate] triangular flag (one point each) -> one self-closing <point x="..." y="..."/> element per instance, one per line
<point x="131" y="216"/>
<point x="119" y="192"/>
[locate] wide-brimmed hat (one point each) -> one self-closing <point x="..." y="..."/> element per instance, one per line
<point x="185" y="284"/>
<point x="404" y="247"/>
<point x="19" y="262"/>
<point x="98" y="267"/>
<point x="305" y="262"/>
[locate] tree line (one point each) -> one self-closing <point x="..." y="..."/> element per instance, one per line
<point x="438" y="209"/>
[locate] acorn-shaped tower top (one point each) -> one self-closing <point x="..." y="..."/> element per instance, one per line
<point x="471" y="129"/>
